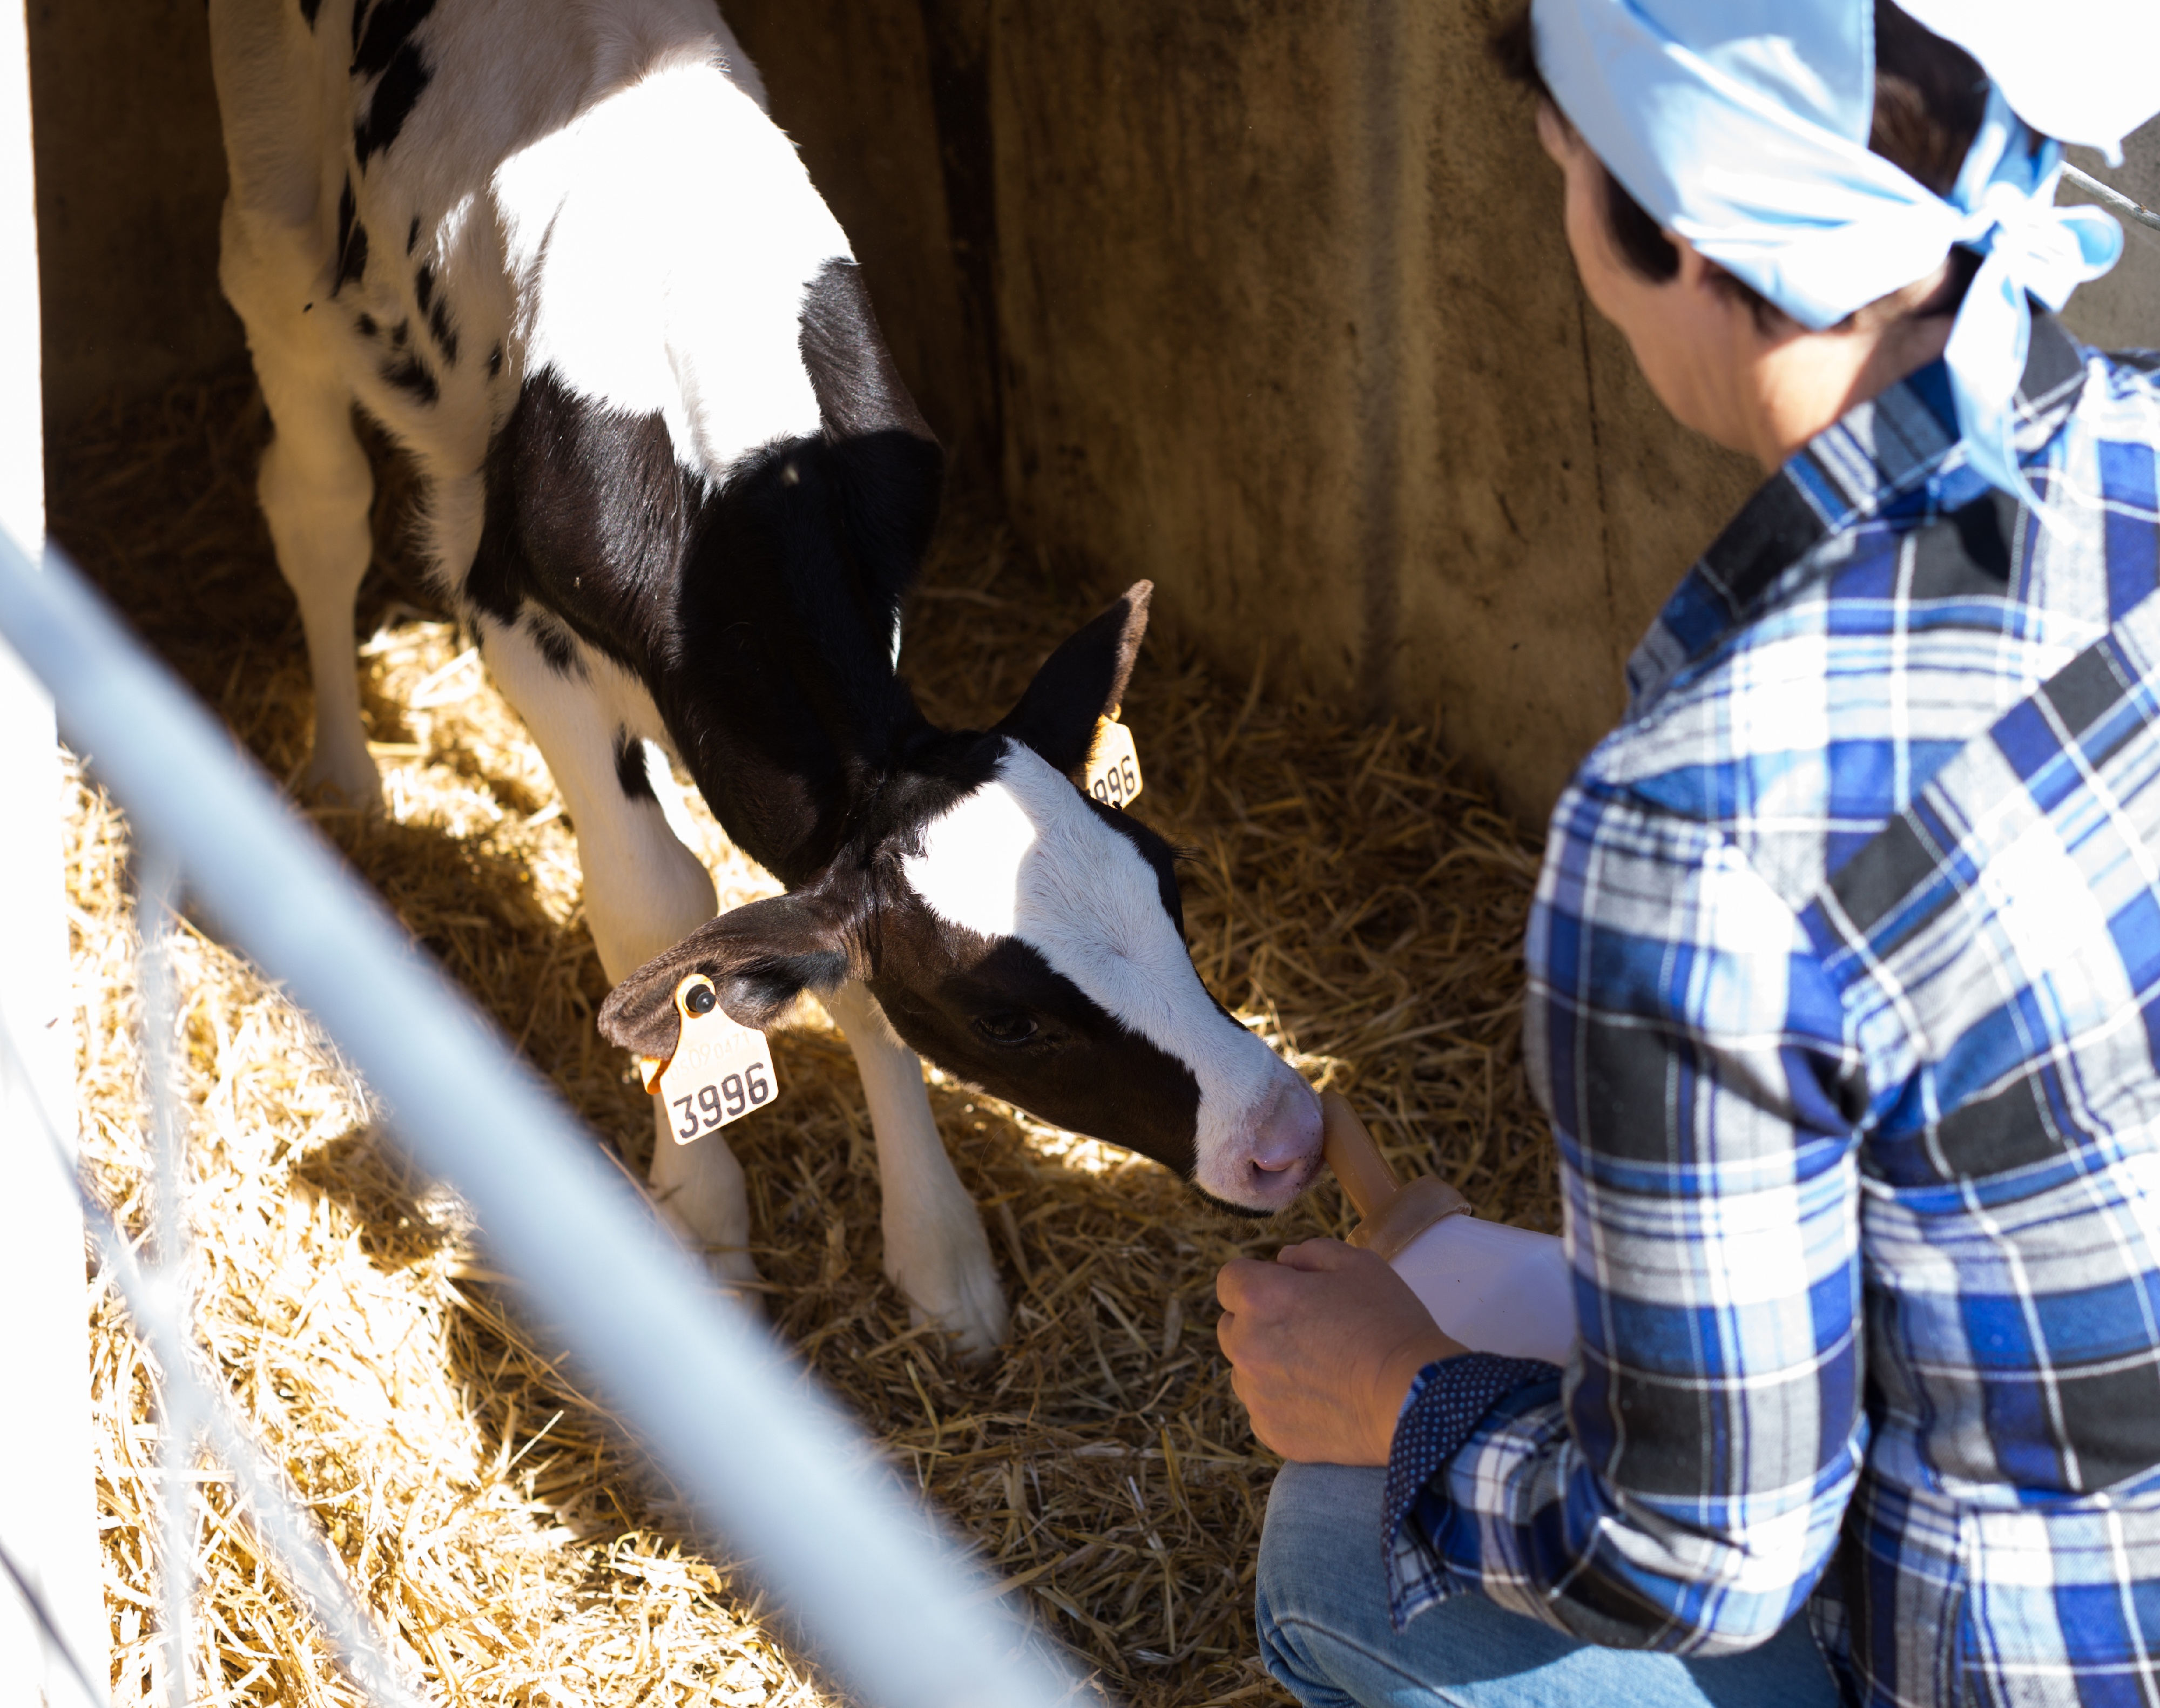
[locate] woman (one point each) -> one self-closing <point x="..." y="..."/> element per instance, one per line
<point x="1845" y="965"/>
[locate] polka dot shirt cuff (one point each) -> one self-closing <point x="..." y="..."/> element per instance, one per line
<point x="1445" y="1404"/>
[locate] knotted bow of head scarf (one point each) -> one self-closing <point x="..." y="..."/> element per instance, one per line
<point x="1743" y="126"/>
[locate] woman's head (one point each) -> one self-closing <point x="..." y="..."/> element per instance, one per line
<point x="1808" y="191"/>
<point x="1930" y="97"/>
<point x="1722" y="359"/>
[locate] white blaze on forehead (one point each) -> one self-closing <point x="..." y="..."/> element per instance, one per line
<point x="1023" y="857"/>
<point x="968" y="872"/>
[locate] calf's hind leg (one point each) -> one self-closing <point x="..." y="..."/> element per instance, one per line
<point x="315" y="486"/>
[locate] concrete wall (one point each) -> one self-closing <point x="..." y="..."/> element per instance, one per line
<point x="1277" y="312"/>
<point x="1289" y="325"/>
<point x="2122" y="311"/>
<point x="1267" y="301"/>
<point x="1281" y="315"/>
<point x="131" y="175"/>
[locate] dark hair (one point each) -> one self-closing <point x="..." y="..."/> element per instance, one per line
<point x="1930" y="96"/>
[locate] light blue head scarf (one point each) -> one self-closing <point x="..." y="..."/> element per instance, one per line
<point x="1743" y="126"/>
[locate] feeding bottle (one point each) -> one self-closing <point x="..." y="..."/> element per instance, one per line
<point x="1494" y="1288"/>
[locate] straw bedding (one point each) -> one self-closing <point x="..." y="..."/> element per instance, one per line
<point x="1349" y="893"/>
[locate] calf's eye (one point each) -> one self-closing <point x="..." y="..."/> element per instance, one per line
<point x="1015" y="1028"/>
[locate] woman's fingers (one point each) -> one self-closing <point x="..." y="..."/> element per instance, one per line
<point x="1322" y="1344"/>
<point x="1234" y="1282"/>
<point x="1327" y="1257"/>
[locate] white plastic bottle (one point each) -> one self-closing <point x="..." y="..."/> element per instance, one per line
<point x="1494" y="1288"/>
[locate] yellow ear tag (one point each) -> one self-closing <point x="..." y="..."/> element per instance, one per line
<point x="1113" y="776"/>
<point x="720" y="1071"/>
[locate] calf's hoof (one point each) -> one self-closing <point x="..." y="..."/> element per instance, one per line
<point x="345" y="782"/>
<point x="728" y="1261"/>
<point x="966" y="1302"/>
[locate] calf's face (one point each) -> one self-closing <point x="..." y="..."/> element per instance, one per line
<point x="1033" y="945"/>
<point x="1028" y="941"/>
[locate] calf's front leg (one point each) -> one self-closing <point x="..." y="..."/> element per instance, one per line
<point x="644" y="892"/>
<point x="934" y="1249"/>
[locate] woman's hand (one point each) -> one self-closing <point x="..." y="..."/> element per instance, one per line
<point x="1323" y="1344"/>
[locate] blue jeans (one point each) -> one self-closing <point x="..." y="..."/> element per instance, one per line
<point x="1324" y="1633"/>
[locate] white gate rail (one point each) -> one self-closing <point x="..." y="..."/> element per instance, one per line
<point x="52" y="1608"/>
<point x="773" y="1466"/>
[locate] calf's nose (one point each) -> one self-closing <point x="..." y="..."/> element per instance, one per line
<point x="1282" y="1149"/>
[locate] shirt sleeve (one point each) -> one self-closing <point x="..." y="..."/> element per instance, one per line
<point x="1685" y="1489"/>
<point x="1445" y="1404"/>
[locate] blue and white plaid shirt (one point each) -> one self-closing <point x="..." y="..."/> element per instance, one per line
<point x="1845" y="1001"/>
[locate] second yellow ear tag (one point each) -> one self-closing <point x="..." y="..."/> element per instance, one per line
<point x="721" y="1070"/>
<point x="1113" y="776"/>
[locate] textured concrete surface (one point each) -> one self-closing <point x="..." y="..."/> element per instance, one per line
<point x="1266" y="301"/>
<point x="2122" y="310"/>
<point x="130" y="177"/>
<point x="1280" y="316"/>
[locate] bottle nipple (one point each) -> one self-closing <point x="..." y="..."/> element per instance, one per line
<point x="1392" y="1213"/>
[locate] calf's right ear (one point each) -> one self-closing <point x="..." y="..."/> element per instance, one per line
<point x="759" y="957"/>
<point x="1084" y="679"/>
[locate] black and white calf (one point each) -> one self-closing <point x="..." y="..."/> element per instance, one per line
<point x="677" y="488"/>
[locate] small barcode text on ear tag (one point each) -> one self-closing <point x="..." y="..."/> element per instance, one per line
<point x="1113" y="776"/>
<point x="720" y="1071"/>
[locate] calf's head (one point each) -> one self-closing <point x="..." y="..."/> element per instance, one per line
<point x="1024" y="938"/>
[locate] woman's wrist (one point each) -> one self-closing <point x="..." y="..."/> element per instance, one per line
<point x="1391" y="1389"/>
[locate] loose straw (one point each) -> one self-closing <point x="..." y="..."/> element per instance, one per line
<point x="1350" y="892"/>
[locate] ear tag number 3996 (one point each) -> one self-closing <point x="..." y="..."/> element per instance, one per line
<point x="720" y="1069"/>
<point x="1113" y="776"/>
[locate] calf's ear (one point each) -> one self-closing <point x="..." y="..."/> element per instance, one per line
<point x="759" y="957"/>
<point x="1084" y="679"/>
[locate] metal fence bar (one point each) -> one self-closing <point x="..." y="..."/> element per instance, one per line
<point x="769" y="1462"/>
<point x="157" y="894"/>
<point x="268" y="1502"/>
<point x="17" y="1577"/>
<point x="2116" y="201"/>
